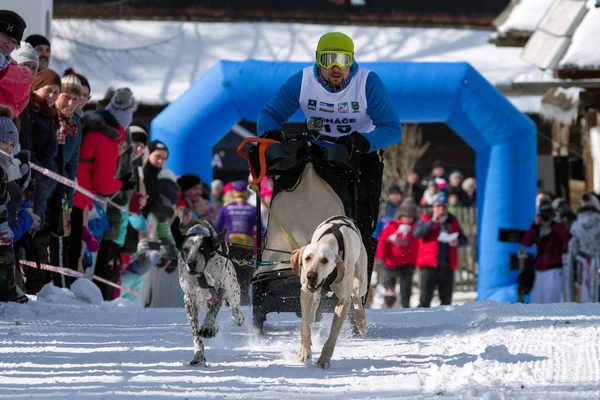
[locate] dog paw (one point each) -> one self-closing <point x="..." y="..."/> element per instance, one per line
<point x="304" y="354"/>
<point x="208" y="331"/>
<point x="198" y="361"/>
<point x="237" y="316"/>
<point x="324" y="363"/>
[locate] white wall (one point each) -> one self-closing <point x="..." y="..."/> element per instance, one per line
<point x="36" y="13"/>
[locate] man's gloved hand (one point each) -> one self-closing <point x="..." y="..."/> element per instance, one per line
<point x="274" y="135"/>
<point x="355" y="142"/>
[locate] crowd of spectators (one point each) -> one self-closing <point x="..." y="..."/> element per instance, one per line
<point x="126" y="242"/>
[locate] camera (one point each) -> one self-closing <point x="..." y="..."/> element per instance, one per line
<point x="546" y="217"/>
<point x="314" y="124"/>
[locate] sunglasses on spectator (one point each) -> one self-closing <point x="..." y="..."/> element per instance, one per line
<point x="10" y="39"/>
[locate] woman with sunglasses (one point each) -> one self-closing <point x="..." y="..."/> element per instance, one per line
<point x="15" y="80"/>
<point x="355" y="106"/>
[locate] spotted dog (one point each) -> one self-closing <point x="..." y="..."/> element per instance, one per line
<point x="205" y="273"/>
<point x="334" y="261"/>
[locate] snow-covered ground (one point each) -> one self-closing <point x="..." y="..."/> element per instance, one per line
<point x="59" y="346"/>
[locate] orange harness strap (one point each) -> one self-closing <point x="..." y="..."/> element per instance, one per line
<point x="261" y="156"/>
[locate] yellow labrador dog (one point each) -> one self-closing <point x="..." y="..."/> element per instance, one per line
<point x="334" y="261"/>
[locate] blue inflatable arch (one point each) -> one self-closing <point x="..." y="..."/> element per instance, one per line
<point x="453" y="93"/>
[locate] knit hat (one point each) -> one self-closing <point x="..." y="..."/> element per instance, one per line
<point x="122" y="106"/>
<point x="437" y="164"/>
<point x="8" y="130"/>
<point x="440" y="198"/>
<point x="408" y="208"/>
<point x="394" y="189"/>
<point x="70" y="84"/>
<point x="455" y="173"/>
<point x="590" y="200"/>
<point x="82" y="79"/>
<point x="108" y="118"/>
<point x="188" y="181"/>
<point x="216" y="184"/>
<point x="138" y="133"/>
<point x="45" y="78"/>
<point x="12" y="24"/>
<point x="156" y="145"/>
<point x="24" y="54"/>
<point x="36" y="40"/>
<point x="333" y="41"/>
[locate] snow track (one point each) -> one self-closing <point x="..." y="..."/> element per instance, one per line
<point x="479" y="351"/>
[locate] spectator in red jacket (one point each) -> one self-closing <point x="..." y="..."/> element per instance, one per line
<point x="97" y="166"/>
<point x="397" y="249"/>
<point x="440" y="235"/>
<point x="550" y="238"/>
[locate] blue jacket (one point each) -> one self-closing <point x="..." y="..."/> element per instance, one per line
<point x="380" y="109"/>
<point x="24" y="221"/>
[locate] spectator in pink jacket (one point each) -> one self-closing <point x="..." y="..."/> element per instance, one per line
<point x="15" y="80"/>
<point x="550" y="239"/>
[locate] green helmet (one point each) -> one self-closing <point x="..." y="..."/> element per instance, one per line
<point x="335" y="41"/>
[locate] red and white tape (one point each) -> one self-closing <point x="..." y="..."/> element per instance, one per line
<point x="76" y="274"/>
<point x="68" y="182"/>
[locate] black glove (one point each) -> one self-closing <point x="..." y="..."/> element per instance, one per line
<point x="274" y="135"/>
<point x="355" y="142"/>
<point x="127" y="181"/>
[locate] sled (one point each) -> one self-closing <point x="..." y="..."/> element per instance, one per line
<point x="311" y="184"/>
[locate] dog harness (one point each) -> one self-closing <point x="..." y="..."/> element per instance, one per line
<point x="337" y="223"/>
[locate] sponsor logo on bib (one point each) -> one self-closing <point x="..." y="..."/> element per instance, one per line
<point x="355" y="106"/>
<point x="312" y="104"/>
<point x="343" y="107"/>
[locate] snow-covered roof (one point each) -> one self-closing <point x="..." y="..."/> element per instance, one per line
<point x="567" y="37"/>
<point x="526" y="104"/>
<point x="584" y="52"/>
<point x="160" y="60"/>
<point x="525" y="16"/>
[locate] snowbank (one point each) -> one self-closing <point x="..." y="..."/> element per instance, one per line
<point x="476" y="351"/>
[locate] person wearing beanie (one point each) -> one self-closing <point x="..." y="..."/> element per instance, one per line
<point x="439" y="235"/>
<point x="585" y="234"/>
<point x="15" y="81"/>
<point x="12" y="26"/>
<point x="140" y="138"/>
<point x="43" y="145"/>
<point x="26" y="57"/>
<point x="98" y="160"/>
<point x="217" y="193"/>
<point x="60" y="198"/>
<point x="337" y="88"/>
<point x="550" y="238"/>
<point x="397" y="251"/>
<point x="455" y="180"/>
<point x="85" y="87"/>
<point x="9" y="138"/>
<point x="394" y="199"/>
<point x="122" y="106"/>
<point x="239" y="219"/>
<point x="437" y="172"/>
<point x="42" y="47"/>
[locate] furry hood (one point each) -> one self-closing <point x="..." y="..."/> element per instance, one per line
<point x="94" y="121"/>
<point x="587" y="223"/>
